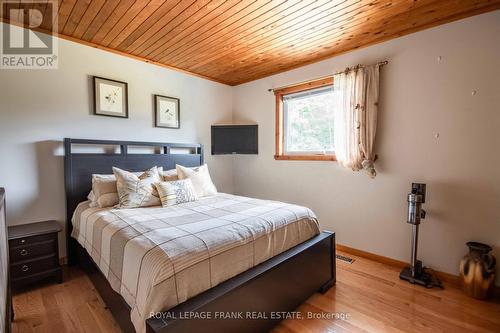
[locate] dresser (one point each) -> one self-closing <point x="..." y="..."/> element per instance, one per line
<point x="34" y="252"/>
<point x="6" y="313"/>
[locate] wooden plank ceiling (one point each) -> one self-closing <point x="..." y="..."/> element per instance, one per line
<point x="236" y="41"/>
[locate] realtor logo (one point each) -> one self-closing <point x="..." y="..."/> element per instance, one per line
<point x="28" y="48"/>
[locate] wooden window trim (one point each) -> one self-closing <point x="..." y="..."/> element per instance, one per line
<point x="279" y="131"/>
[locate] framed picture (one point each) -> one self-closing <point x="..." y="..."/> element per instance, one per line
<point x="167" y="112"/>
<point x="110" y="98"/>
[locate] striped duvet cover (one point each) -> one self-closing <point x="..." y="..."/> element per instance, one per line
<point x="159" y="257"/>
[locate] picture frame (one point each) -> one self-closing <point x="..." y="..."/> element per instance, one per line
<point x="167" y="112"/>
<point x="110" y="97"/>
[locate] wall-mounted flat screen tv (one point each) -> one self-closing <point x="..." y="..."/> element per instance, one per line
<point x="234" y="139"/>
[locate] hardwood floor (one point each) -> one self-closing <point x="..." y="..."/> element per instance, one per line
<point x="73" y="306"/>
<point x="368" y="294"/>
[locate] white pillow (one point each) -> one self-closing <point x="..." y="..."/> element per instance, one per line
<point x="137" y="191"/>
<point x="200" y="177"/>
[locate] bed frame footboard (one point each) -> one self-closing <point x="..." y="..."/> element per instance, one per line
<point x="260" y="295"/>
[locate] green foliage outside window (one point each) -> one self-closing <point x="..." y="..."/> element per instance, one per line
<point x="309" y="122"/>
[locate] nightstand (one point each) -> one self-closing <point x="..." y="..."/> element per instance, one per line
<point x="34" y="252"/>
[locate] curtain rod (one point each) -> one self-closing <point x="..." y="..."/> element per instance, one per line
<point x="382" y="63"/>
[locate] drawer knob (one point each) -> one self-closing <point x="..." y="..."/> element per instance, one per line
<point x="24" y="252"/>
<point x="23" y="241"/>
<point x="25" y="268"/>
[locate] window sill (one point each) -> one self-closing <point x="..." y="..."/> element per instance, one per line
<point x="306" y="157"/>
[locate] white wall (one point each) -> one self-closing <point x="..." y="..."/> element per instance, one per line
<point x="420" y="97"/>
<point x="38" y="108"/>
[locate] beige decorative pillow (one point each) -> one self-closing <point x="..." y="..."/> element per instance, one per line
<point x="137" y="191"/>
<point x="104" y="189"/>
<point x="91" y="197"/>
<point x="108" y="200"/>
<point x="176" y="192"/>
<point x="170" y="175"/>
<point x="200" y="177"/>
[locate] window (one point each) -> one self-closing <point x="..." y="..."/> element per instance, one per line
<point x="304" y="121"/>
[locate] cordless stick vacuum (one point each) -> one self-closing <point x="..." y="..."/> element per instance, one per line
<point x="416" y="273"/>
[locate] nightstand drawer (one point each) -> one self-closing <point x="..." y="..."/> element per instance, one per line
<point x="27" y="268"/>
<point x="27" y="252"/>
<point x="32" y="239"/>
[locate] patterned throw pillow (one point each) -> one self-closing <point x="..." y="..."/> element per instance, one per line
<point x="104" y="189"/>
<point x="200" y="177"/>
<point x="137" y="191"/>
<point x="176" y="192"/>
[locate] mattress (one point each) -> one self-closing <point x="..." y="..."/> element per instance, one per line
<point x="157" y="258"/>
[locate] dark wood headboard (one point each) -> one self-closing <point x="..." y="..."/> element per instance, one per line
<point x="5" y="297"/>
<point x="79" y="167"/>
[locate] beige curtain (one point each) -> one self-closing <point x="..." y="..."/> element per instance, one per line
<point x="356" y="102"/>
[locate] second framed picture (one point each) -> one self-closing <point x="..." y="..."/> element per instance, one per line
<point x="167" y="112"/>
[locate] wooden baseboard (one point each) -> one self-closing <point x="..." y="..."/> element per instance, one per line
<point x="371" y="256"/>
<point x="444" y="277"/>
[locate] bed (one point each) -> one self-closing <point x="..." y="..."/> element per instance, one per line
<point x="188" y="267"/>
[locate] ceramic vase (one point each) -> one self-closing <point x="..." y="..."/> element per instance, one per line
<point x="477" y="271"/>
